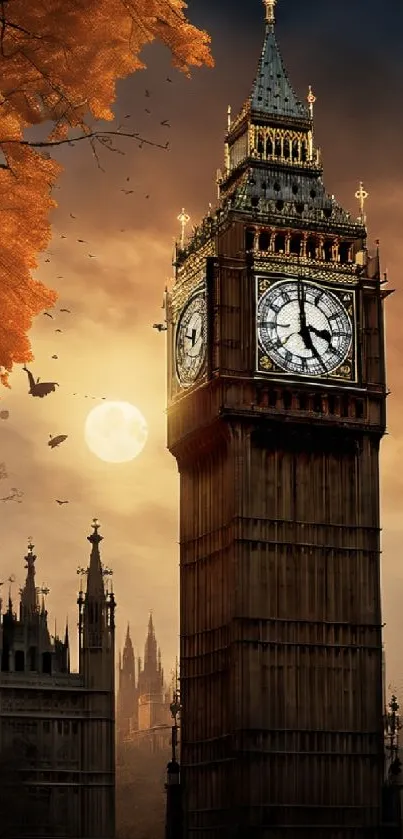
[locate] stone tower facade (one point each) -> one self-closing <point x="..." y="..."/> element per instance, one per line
<point x="276" y="410"/>
<point x="57" y="727"/>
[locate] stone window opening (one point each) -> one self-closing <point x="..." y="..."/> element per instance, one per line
<point x="328" y="250"/>
<point x="47" y="663"/>
<point x="260" y="144"/>
<point x="264" y="241"/>
<point x="296" y="245"/>
<point x="344" y="252"/>
<point x="19" y="661"/>
<point x="279" y="243"/>
<point x="249" y="239"/>
<point x="269" y="147"/>
<point x="295" y="150"/>
<point x="311" y="248"/>
<point x="32" y="658"/>
<point x="286" y="149"/>
<point x="304" y="152"/>
<point x="277" y="148"/>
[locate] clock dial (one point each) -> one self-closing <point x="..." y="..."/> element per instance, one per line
<point x="191" y="341"/>
<point x="303" y="328"/>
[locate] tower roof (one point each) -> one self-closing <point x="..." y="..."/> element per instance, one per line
<point x="95" y="580"/>
<point x="272" y="93"/>
<point x="29" y="594"/>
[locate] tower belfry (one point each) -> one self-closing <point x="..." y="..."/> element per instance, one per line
<point x="276" y="410"/>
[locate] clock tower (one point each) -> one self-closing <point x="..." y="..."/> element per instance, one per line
<point x="276" y="410"/>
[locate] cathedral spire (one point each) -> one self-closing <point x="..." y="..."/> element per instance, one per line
<point x="272" y="94"/>
<point x="29" y="594"/>
<point x="95" y="580"/>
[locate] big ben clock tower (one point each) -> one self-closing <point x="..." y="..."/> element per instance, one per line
<point x="276" y="409"/>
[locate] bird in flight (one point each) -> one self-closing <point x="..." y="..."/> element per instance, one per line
<point x="71" y="216"/>
<point x="38" y="388"/>
<point x="56" y="441"/>
<point x="160" y="327"/>
<point x="55" y="356"/>
<point x="48" y="315"/>
<point x="165" y="122"/>
<point x="66" y="310"/>
<point x="58" y="330"/>
<point x="60" y="502"/>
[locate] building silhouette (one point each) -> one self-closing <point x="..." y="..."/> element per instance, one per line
<point x="57" y="728"/>
<point x="143" y="703"/>
<point x="144" y="740"/>
<point x="276" y="410"/>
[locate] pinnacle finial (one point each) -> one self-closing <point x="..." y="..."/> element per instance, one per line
<point x="95" y="525"/>
<point x="361" y="196"/>
<point x="184" y="219"/>
<point x="270" y="6"/>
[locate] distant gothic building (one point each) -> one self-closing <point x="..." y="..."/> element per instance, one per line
<point x="57" y="728"/>
<point x="143" y="709"/>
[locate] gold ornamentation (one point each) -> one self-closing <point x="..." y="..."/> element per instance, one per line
<point x="266" y="363"/>
<point x="361" y="196"/>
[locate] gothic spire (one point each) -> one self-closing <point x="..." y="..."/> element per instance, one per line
<point x="29" y="594"/>
<point x="272" y="94"/>
<point x="95" y="580"/>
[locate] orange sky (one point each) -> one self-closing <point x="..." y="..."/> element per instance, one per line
<point x="108" y="347"/>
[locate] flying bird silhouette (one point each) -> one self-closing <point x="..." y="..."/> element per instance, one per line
<point x="48" y="315"/>
<point x="160" y="327"/>
<point x="147" y="110"/>
<point x="147" y="93"/>
<point x="60" y="502"/>
<point x="58" y="330"/>
<point x="38" y="388"/>
<point x="66" y="310"/>
<point x="127" y="191"/>
<point x="62" y="236"/>
<point x="56" y="441"/>
<point x="165" y="122"/>
<point x="55" y="356"/>
<point x="82" y="241"/>
<point x="92" y="255"/>
<point x="169" y="80"/>
<point x="71" y="216"/>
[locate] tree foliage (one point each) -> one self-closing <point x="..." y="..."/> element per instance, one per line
<point x="60" y="61"/>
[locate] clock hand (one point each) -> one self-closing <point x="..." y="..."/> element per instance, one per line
<point x="321" y="333"/>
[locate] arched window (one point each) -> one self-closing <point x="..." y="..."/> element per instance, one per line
<point x="19" y="661"/>
<point x="286" y="149"/>
<point x="277" y="148"/>
<point x="264" y="241"/>
<point x="47" y="663"/>
<point x="260" y="143"/>
<point x="269" y="147"/>
<point x="295" y="150"/>
<point x="304" y="152"/>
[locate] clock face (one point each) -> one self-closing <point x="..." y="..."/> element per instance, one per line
<point x="304" y="329"/>
<point x="191" y="340"/>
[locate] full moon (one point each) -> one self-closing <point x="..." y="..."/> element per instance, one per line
<point x="115" y="432"/>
